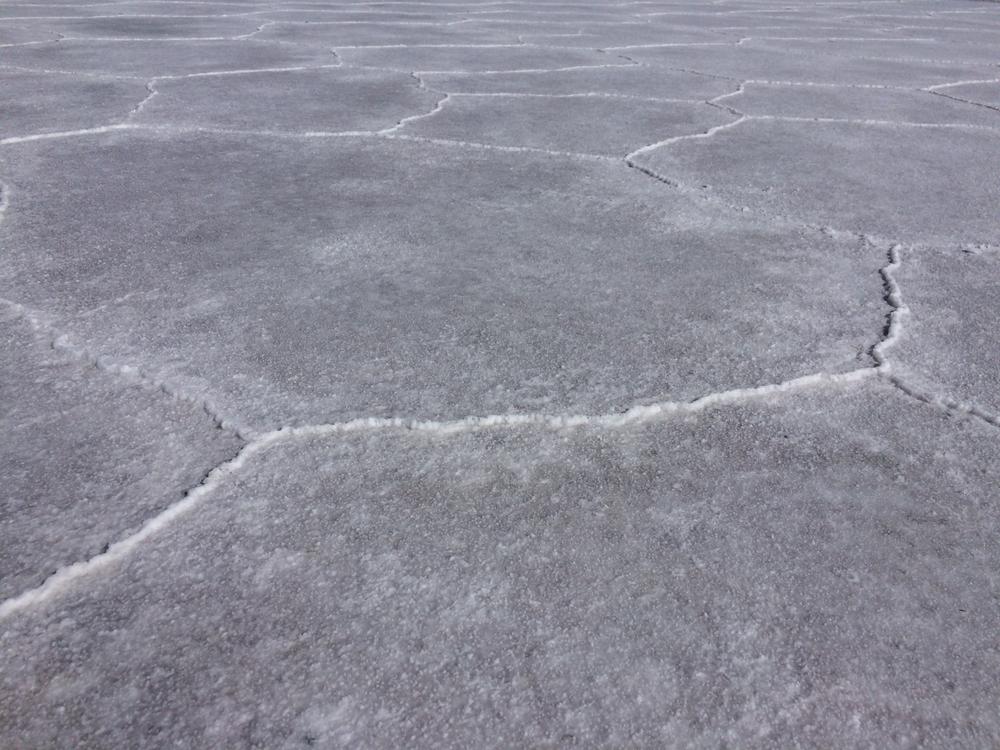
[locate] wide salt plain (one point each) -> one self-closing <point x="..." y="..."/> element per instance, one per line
<point x="438" y="374"/>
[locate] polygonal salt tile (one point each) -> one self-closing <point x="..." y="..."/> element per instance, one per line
<point x="330" y="99"/>
<point x="903" y="183"/>
<point x="588" y="124"/>
<point x="147" y="59"/>
<point x="315" y="279"/>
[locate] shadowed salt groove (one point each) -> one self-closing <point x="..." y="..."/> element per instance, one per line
<point x="952" y="406"/>
<point x="891" y="336"/>
<point x="741" y="88"/>
<point x="952" y="97"/>
<point x="66" y="576"/>
<point x="899" y="310"/>
<point x="713" y="102"/>
<point x="892" y="331"/>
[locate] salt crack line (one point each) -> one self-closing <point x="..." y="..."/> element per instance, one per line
<point x="247" y="71"/>
<point x="577" y="95"/>
<point x="74" y="73"/>
<point x="496" y="147"/>
<point x="666" y="44"/>
<point x="630" y="158"/>
<point x="861" y="121"/>
<point x="517" y="45"/>
<point x="66" y="576"/>
<point x="891" y="336"/>
<point x="961" y="100"/>
<point x="638" y="414"/>
<point x="156" y="39"/>
<point x="413" y="118"/>
<point x="512" y="70"/>
<point x="131" y="374"/>
<point x="899" y="310"/>
<point x="715" y="100"/>
<point x="820" y="84"/>
<point x="137" y="109"/>
<point x="252" y="34"/>
<point x="893" y="329"/>
<point x="950" y="405"/>
<point x="823" y="40"/>
<point x="388" y="134"/>
<point x="180" y="76"/>
<point x="29" y="44"/>
<point x="133" y="15"/>
<point x="285" y="22"/>
<point x="971" y="81"/>
<point x="67" y="133"/>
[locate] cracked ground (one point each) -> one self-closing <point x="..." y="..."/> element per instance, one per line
<point x="499" y="374"/>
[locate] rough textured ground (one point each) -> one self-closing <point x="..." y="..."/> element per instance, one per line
<point x="506" y="374"/>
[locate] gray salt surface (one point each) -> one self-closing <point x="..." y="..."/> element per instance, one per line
<point x="501" y="374"/>
<point x="380" y="32"/>
<point x="950" y="348"/>
<point x="148" y="27"/>
<point x="836" y="102"/>
<point x="51" y="102"/>
<point x="458" y="58"/>
<point x="148" y="58"/>
<point x="22" y="35"/>
<point x="621" y="80"/>
<point x="857" y="176"/>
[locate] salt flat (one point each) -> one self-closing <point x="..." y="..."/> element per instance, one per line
<point x="513" y="374"/>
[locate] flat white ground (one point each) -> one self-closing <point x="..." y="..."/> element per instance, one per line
<point x="419" y="373"/>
